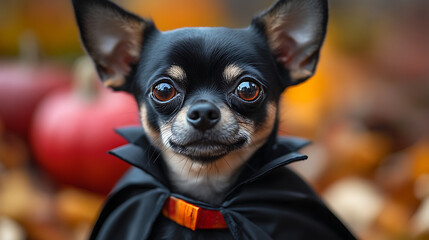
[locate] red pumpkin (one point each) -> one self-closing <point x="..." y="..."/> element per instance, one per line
<point x="22" y="88"/>
<point x="71" y="134"/>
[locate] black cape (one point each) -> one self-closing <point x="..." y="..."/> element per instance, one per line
<point x="268" y="201"/>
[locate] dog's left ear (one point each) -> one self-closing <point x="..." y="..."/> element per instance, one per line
<point x="294" y="30"/>
<point x="113" y="38"/>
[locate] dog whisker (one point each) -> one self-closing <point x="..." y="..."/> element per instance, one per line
<point x="198" y="175"/>
<point x="227" y="163"/>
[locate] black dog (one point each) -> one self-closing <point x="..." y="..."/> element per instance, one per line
<point x="208" y="163"/>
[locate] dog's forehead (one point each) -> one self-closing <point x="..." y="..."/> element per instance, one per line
<point x="211" y="37"/>
<point x="192" y="52"/>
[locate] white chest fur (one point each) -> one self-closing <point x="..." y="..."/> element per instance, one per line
<point x="205" y="181"/>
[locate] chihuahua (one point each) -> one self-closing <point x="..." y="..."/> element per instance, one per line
<point x="208" y="98"/>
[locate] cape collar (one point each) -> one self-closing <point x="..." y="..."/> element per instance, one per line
<point x="141" y="154"/>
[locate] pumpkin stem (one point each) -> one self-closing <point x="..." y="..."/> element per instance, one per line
<point x="85" y="83"/>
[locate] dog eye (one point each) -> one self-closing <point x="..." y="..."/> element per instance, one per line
<point x="164" y="92"/>
<point x="248" y="91"/>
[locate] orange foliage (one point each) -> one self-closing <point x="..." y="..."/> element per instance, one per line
<point x="170" y="14"/>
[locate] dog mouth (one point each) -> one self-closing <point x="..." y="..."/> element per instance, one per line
<point x="206" y="150"/>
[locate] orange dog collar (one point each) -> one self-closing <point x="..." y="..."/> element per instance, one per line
<point x="191" y="216"/>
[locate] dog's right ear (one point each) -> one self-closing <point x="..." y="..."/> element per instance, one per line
<point x="113" y="38"/>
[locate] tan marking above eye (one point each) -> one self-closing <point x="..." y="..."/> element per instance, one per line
<point x="176" y="72"/>
<point x="232" y="72"/>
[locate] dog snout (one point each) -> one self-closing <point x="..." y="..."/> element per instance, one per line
<point x="203" y="115"/>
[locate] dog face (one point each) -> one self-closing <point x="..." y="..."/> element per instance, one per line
<point x="208" y="92"/>
<point x="207" y="95"/>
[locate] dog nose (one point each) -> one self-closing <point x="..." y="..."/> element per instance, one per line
<point x="203" y="115"/>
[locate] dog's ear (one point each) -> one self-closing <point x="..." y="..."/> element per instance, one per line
<point x="113" y="38"/>
<point x="294" y="30"/>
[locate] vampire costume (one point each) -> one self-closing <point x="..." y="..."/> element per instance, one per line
<point x="268" y="201"/>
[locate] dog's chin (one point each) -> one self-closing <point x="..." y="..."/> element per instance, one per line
<point x="206" y="151"/>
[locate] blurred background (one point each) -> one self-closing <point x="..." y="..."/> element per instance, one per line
<point x="366" y="111"/>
